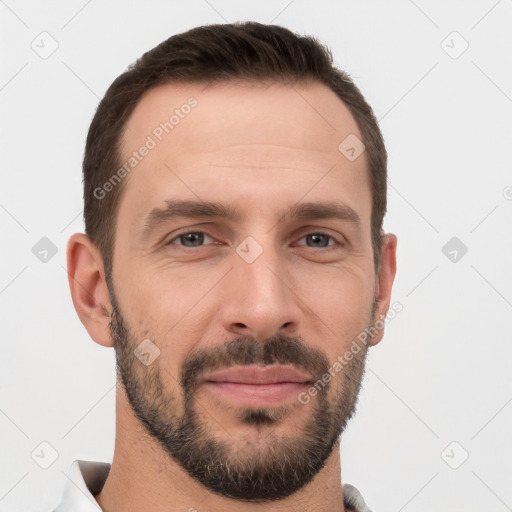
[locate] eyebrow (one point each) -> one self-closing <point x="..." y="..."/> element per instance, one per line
<point x="207" y="209"/>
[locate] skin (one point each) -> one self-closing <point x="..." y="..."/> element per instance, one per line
<point x="260" y="148"/>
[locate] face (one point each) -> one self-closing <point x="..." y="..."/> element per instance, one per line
<point x="243" y="302"/>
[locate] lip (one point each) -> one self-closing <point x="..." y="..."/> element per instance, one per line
<point x="273" y="374"/>
<point x="257" y="386"/>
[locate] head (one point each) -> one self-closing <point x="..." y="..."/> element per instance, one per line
<point x="228" y="227"/>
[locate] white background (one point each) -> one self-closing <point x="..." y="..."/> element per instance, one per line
<point x="443" y="370"/>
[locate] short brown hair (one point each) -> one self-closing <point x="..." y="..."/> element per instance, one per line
<point x="244" y="51"/>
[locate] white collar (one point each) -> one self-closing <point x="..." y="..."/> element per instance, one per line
<point x="85" y="478"/>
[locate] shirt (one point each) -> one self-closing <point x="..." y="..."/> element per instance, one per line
<point x="86" y="479"/>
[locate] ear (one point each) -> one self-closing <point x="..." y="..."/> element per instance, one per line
<point x="384" y="283"/>
<point x="88" y="287"/>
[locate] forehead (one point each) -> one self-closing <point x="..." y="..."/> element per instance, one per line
<point x="201" y="117"/>
<point x="238" y="140"/>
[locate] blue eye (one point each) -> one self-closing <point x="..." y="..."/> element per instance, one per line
<point x="318" y="239"/>
<point x="195" y="238"/>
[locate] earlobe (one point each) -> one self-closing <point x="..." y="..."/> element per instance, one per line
<point x="384" y="283"/>
<point x="88" y="288"/>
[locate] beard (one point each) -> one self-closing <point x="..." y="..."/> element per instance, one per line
<point x="257" y="469"/>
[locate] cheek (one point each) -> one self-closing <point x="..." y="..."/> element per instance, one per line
<point x="170" y="309"/>
<point x="341" y="300"/>
<point x="156" y="297"/>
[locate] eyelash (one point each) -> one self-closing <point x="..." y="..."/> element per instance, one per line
<point x="328" y="247"/>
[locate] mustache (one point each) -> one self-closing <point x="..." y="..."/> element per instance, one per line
<point x="246" y="350"/>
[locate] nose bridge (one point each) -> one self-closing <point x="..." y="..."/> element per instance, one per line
<point x="259" y="267"/>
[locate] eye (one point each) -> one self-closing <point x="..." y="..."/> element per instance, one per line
<point x="190" y="239"/>
<point x="319" y="239"/>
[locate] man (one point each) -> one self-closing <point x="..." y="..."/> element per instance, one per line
<point x="235" y="187"/>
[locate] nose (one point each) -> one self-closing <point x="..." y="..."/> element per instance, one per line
<point x="259" y="298"/>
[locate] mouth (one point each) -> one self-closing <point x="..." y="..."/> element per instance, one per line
<point x="256" y="385"/>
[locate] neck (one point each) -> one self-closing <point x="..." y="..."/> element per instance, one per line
<point x="144" y="477"/>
